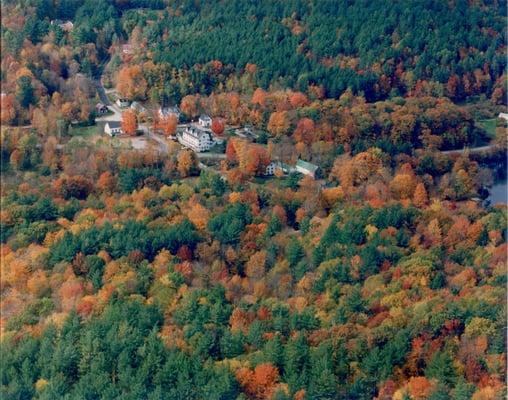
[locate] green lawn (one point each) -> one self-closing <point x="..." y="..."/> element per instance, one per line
<point x="83" y="130"/>
<point x="488" y="125"/>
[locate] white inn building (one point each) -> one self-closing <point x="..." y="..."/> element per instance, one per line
<point x="196" y="139"/>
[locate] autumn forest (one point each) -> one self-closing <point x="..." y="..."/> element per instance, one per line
<point x="253" y="200"/>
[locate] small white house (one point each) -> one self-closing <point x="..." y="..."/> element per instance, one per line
<point x="205" y="121"/>
<point x="122" y="103"/>
<point x="270" y="169"/>
<point x="113" y="128"/>
<point x="196" y="139"/>
<point x="503" y="116"/>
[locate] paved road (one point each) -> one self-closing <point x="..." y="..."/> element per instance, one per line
<point x="216" y="156"/>
<point x="117" y="112"/>
<point x="472" y="149"/>
<point x="163" y="146"/>
<point x="102" y="93"/>
<point x="116" y="116"/>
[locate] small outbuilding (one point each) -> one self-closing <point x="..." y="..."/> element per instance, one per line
<point x="122" y="103"/>
<point x="101" y="109"/>
<point x="205" y="121"/>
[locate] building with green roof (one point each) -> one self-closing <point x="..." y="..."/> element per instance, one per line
<point x="307" y="168"/>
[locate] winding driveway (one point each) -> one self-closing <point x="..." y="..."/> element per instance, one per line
<point x="472" y="149"/>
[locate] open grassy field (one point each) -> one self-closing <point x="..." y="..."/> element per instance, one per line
<point x="84" y="131"/>
<point x="488" y="125"/>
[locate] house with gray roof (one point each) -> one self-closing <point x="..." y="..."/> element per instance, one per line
<point x="113" y="128"/>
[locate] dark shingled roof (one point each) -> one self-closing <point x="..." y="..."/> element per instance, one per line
<point x="114" y="124"/>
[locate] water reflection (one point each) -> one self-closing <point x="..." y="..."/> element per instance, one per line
<point x="498" y="193"/>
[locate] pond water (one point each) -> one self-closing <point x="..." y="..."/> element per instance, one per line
<point x="498" y="193"/>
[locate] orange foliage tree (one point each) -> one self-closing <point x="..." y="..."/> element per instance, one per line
<point x="304" y="131"/>
<point x="231" y="152"/>
<point x="8" y="109"/>
<point x="257" y="160"/>
<point x="106" y="182"/>
<point x="131" y="83"/>
<point x="168" y="124"/>
<point x="278" y="123"/>
<point x="298" y="99"/>
<point x="198" y="215"/>
<point x="186" y="162"/>
<point x="189" y="105"/>
<point x="260" y="383"/>
<point x="129" y="122"/>
<point x="420" y="198"/>
<point x="259" y="97"/>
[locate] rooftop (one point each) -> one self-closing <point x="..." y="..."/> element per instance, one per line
<point x="114" y="124"/>
<point x="137" y="106"/>
<point x="195" y="132"/>
<point x="307" y="165"/>
<point x="169" y="110"/>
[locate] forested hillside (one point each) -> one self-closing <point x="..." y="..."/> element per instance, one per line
<point x="183" y="287"/>
<point x="376" y="48"/>
<point x="369" y="264"/>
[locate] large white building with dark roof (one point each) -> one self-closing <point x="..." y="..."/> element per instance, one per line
<point x="196" y="139"/>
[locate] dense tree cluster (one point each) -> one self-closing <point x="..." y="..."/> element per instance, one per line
<point x="321" y="48"/>
<point x="144" y="274"/>
<point x="371" y="47"/>
<point x="120" y="278"/>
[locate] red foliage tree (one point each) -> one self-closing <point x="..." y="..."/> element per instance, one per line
<point x="261" y="382"/>
<point x="257" y="160"/>
<point x="218" y="126"/>
<point x="77" y="186"/>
